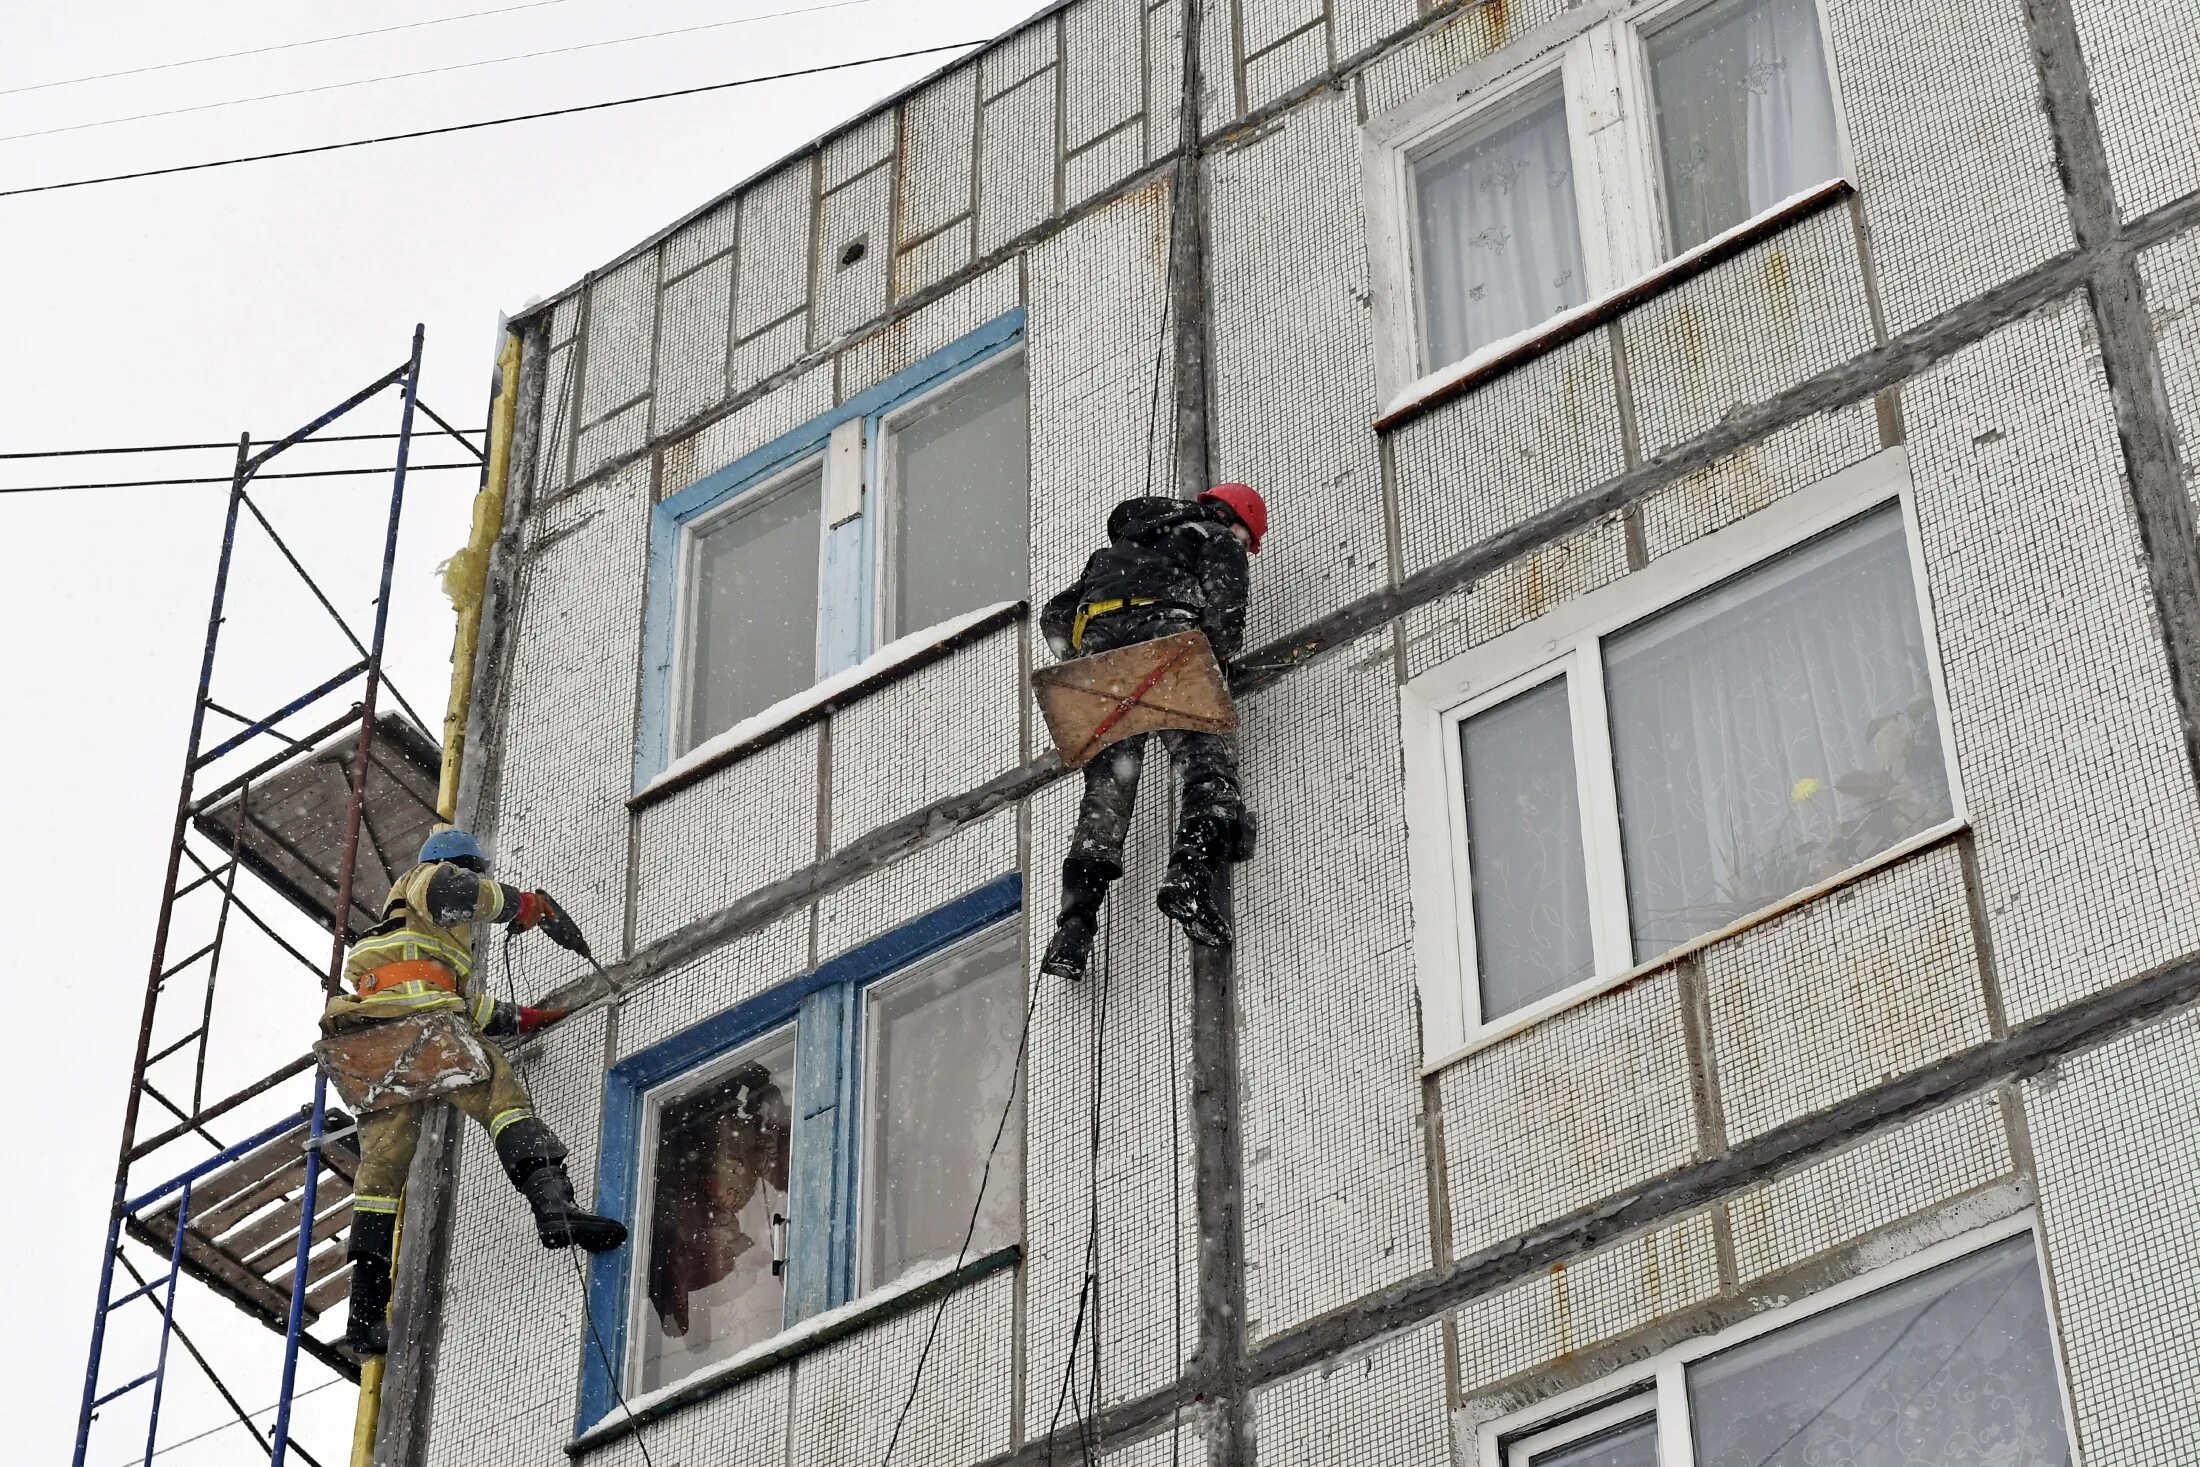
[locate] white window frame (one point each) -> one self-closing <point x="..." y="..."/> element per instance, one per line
<point x="883" y="630"/>
<point x="645" y="1195"/>
<point x="1568" y="640"/>
<point x="678" y="711"/>
<point x="1666" y="1374"/>
<point x="1619" y="188"/>
<point x="1008" y="934"/>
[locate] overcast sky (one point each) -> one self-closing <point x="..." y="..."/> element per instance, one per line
<point x="188" y="309"/>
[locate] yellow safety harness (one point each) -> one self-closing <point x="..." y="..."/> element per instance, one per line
<point x="1091" y="609"/>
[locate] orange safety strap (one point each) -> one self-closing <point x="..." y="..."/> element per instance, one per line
<point x="416" y="970"/>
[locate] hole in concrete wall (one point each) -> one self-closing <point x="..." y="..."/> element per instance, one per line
<point x="856" y="250"/>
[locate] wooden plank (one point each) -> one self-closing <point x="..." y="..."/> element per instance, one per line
<point x="319" y="1265"/>
<point x="244" y="1172"/>
<point x="1170" y="682"/>
<point x="284" y="1249"/>
<point x="280" y="1224"/>
<point x="216" y="1221"/>
<point x="334" y="1288"/>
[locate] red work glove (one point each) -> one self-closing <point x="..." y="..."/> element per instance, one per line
<point x="531" y="1020"/>
<point x="533" y="907"/>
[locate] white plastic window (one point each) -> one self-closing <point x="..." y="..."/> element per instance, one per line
<point x="1497" y="237"/>
<point x="1497" y="205"/>
<point x="940" y="1069"/>
<point x="1746" y="719"/>
<point x="1953" y="1364"/>
<point x="717" y="1149"/>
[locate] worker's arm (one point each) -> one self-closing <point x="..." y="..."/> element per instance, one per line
<point x="1225" y="583"/>
<point x="500" y="1020"/>
<point x="1059" y="616"/>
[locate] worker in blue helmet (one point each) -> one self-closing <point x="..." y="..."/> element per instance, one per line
<point x="418" y="958"/>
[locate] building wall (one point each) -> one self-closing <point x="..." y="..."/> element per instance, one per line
<point x="1411" y="1252"/>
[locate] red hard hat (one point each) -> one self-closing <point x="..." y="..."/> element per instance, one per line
<point x="1244" y="502"/>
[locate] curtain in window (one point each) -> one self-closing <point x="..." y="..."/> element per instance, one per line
<point x="719" y="1173"/>
<point x="1744" y="113"/>
<point x="1530" y="887"/>
<point x="1949" y="1369"/>
<point x="1500" y="243"/>
<point x="1772" y="732"/>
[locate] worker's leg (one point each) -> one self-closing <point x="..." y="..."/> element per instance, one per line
<point x="534" y="1158"/>
<point x="387" y="1139"/>
<point x="1211" y="828"/>
<point x="1095" y="854"/>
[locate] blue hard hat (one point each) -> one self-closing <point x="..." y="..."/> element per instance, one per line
<point x="450" y="843"/>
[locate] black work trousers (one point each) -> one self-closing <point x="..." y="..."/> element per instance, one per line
<point x="1206" y="763"/>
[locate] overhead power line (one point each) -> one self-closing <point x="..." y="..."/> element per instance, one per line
<point x="369" y="81"/>
<point x="410" y="25"/>
<point x="225" y="478"/>
<point x="430" y="132"/>
<point x="229" y="444"/>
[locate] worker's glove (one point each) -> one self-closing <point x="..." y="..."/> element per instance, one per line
<point x="533" y="907"/>
<point x="557" y="926"/>
<point x="531" y="1020"/>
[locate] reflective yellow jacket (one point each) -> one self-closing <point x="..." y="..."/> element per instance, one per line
<point x="429" y="915"/>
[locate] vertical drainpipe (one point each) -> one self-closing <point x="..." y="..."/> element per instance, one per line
<point x="465" y="577"/>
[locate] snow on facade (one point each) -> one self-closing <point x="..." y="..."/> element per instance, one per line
<point x="1716" y="982"/>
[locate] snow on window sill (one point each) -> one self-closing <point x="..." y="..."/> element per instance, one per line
<point x="896" y="660"/>
<point x="1500" y="357"/>
<point x="1520" y="1020"/>
<point x="917" y="1287"/>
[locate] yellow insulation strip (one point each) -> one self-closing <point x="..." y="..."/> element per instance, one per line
<point x="465" y="577"/>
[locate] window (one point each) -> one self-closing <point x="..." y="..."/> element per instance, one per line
<point x="1952" y="1365"/>
<point x="1499" y="239"/>
<point x="1749" y="717"/>
<point x="959" y="474"/>
<point x="904" y="508"/>
<point x="814" y="1146"/>
<point x="1495" y="209"/>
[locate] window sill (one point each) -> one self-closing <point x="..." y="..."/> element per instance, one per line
<point x="889" y="664"/>
<point x="1500" y="357"/>
<point x="808" y="1337"/>
<point x="1522" y="1020"/>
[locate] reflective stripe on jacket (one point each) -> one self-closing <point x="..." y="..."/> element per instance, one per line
<point x="429" y="915"/>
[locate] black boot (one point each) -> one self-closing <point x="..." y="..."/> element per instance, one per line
<point x="534" y="1158"/>
<point x="1084" y="888"/>
<point x="367" y="1329"/>
<point x="1187" y="893"/>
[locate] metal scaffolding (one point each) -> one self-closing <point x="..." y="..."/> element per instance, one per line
<point x="284" y="799"/>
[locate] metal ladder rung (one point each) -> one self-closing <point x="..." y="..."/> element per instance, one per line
<point x="139" y="1293"/>
<point x="124" y="1390"/>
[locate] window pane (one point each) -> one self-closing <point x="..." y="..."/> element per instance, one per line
<point x="1954" y="1368"/>
<point x="718" y="1177"/>
<point x="752" y="606"/>
<point x="1744" y="113"/>
<point x="1531" y="894"/>
<point x="941" y="1054"/>
<point x="962" y="473"/>
<point x="1635" y="1445"/>
<point x="1500" y="247"/>
<point x="1772" y="732"/>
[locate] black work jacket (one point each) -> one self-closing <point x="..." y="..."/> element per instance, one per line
<point x="1168" y="551"/>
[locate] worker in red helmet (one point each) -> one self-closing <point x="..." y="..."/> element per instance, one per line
<point x="1168" y="567"/>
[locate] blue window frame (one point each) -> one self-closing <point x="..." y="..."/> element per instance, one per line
<point x="821" y="1051"/>
<point x="727" y="630"/>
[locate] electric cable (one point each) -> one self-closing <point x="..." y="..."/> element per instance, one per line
<point x="229" y="479"/>
<point x="430" y="132"/>
<point x="368" y="81"/>
<point x="228" y="445"/>
<point x="962" y="1254"/>
<point x="233" y="1422"/>
<point x="580" y="1275"/>
<point x="411" y="25"/>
